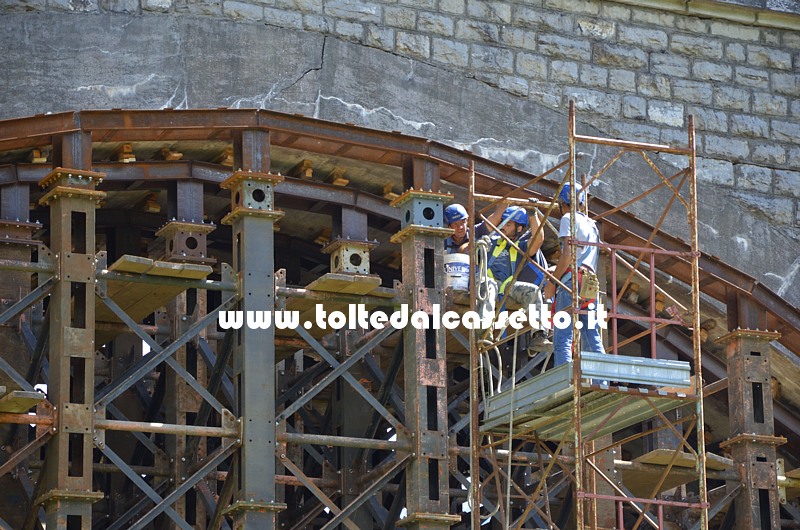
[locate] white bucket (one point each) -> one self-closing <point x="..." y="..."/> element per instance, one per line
<point x="456" y="268"/>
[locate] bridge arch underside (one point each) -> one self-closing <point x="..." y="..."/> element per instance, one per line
<point x="176" y="209"/>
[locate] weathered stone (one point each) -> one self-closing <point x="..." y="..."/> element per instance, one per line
<point x="670" y="114"/>
<point x="120" y="6"/>
<point x="787" y="183"/>
<point x="399" y="17"/>
<point x="24" y="6"/>
<point x="713" y="171"/>
<point x="622" y="56"/>
<point x="785" y="131"/>
<point x="787" y="84"/>
<point x="549" y="94"/>
<point x="654" y="86"/>
<point x="769" y="104"/>
<point x="707" y="119"/>
<point x="533" y="66"/>
<point x="692" y="91"/>
<point x="735" y="52"/>
<point x="515" y="85"/>
<point x="450" y="52"/>
<point x="591" y="7"/>
<point x="564" y="47"/>
<point x="289" y="19"/>
<point x="436" y="24"/>
<point x="751" y="77"/>
<point x="607" y="105"/>
<point x="616" y="12"/>
<point x="692" y="24"/>
<point x="429" y="5"/>
<point x="563" y="72"/>
<point x="634" y="131"/>
<point x="750" y="126"/>
<point x="651" y="39"/>
<point x="474" y="30"/>
<point x="653" y="17"/>
<point x="623" y="80"/>
<point x="634" y="107"/>
<point x="778" y="210"/>
<point x="771" y="37"/>
<point x="711" y="71"/>
<point x="380" y="37"/>
<point x="492" y="59"/>
<point x="755" y="178"/>
<point x="242" y="11"/>
<point x="732" y="98"/>
<point x="351" y="31"/>
<point x="696" y="46"/>
<point x="455" y="7"/>
<point x="794" y="157"/>
<point x="768" y="153"/>
<point x="518" y="38"/>
<point x="80" y="6"/>
<point x="594" y="76"/>
<point x="413" y="45"/>
<point x="735" y="31"/>
<point x="356" y="11"/>
<point x="795" y="108"/>
<point x="769" y="57"/>
<point x="597" y="29"/>
<point x="678" y="137"/>
<point x="304" y="6"/>
<point x="490" y="11"/>
<point x="162" y="6"/>
<point x="324" y="25"/>
<point x="726" y="147"/>
<point x="668" y="64"/>
<point x="791" y="39"/>
<point x="528" y="17"/>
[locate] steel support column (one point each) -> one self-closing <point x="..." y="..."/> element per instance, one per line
<point x="72" y="199"/>
<point x="422" y="242"/>
<point x="253" y="217"/>
<point x="753" y="443"/>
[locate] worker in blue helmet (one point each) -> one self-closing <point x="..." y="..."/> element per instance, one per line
<point x="587" y="258"/>
<point x="456" y="217"/>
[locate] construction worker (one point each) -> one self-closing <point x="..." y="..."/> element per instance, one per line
<point x="587" y="256"/>
<point x="455" y="217"/>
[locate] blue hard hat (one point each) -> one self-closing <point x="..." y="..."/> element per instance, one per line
<point x="564" y="195"/>
<point x="516" y="214"/>
<point x="453" y="213"/>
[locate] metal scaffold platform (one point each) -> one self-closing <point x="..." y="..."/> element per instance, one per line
<point x="196" y="333"/>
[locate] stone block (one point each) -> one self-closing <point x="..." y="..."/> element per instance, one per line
<point x="594" y="76"/>
<point x="786" y="84"/>
<point x="749" y="126"/>
<point x="769" y="57"/>
<point x="564" y="47"/>
<point x="285" y="19"/>
<point x="713" y="171"/>
<point x="514" y="85"/>
<point x="692" y="24"/>
<point x="654" y="17"/>
<point x="731" y="98"/>
<point x="787" y="183"/>
<point x="634" y="107"/>
<point x="435" y="24"/>
<point x="450" y="52"/>
<point x="399" y="17"/>
<point x="621" y="56"/>
<point x="779" y="210"/>
<point x="563" y="71"/>
<point x="634" y="131"/>
<point x="769" y="104"/>
<point x="669" y="64"/>
<point x="756" y="178"/>
<point x="785" y="131"/>
<point x="324" y="25"/>
<point x="651" y="39"/>
<point x="528" y="17"/>
<point x="160" y="6"/>
<point x="751" y="77"/>
<point x="23" y="6"/>
<point x="532" y="66"/>
<point x="607" y="105"/>
<point x="549" y="94"/>
<point x="771" y="37"/>
<point x="696" y="46"/>
<point x="354" y="11"/>
<point x="711" y="71"/>
<point x="474" y="30"/>
<point x="654" y="86"/>
<point x="795" y="108"/>
<point x="352" y="31"/>
<point x="708" y="119"/>
<point x="380" y="37"/>
<point x="491" y="58"/>
<point x="518" y="38"/>
<point x="591" y="7"/>
<point x="616" y="12"/>
<point x="428" y="5"/>
<point x="692" y="91"/>
<point x="74" y="6"/>
<point x="120" y="6"/>
<point x="735" y="31"/>
<point x="734" y="51"/>
<point x="622" y="80"/>
<point x="791" y="39"/>
<point x="768" y="153"/>
<point x="242" y="11"/>
<point x="595" y="29"/>
<point x="413" y="45"/>
<point x="670" y="114"/>
<point x="726" y="147"/>
<point x="454" y="7"/>
<point x="499" y="12"/>
<point x="304" y="6"/>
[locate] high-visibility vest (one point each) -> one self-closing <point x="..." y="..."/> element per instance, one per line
<point x="512" y="254"/>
